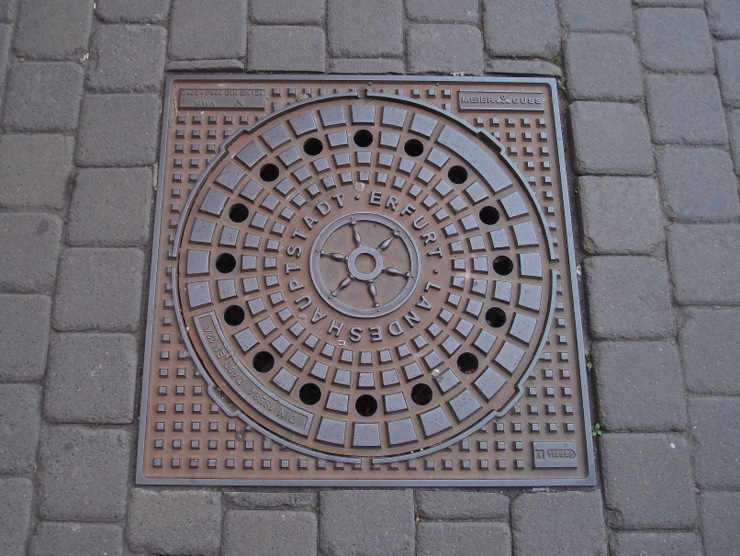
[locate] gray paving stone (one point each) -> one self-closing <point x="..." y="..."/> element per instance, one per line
<point x="127" y="58"/>
<point x="91" y="379"/>
<point x="629" y="298"/>
<point x="269" y="532"/>
<point x="720" y="522"/>
<point x="15" y="514"/>
<point x="351" y="520"/>
<point x="198" y="31"/>
<point x="558" y="523"/>
<point x="611" y="138"/>
<point x="83" y="473"/>
<point x="724" y="18"/>
<point x="686" y="109"/>
<point x="259" y="500"/>
<point x="675" y="3"/>
<point x="602" y="67"/>
<point x="620" y="216"/>
<point x="366" y="65"/>
<point x="522" y="67"/>
<point x="698" y="184"/>
<point x="19" y="427"/>
<point x="728" y="68"/>
<point x="705" y="263"/>
<point x="53" y="30"/>
<point x="43" y="96"/>
<point x="287" y="11"/>
<point x="81" y="539"/>
<point x="627" y="374"/>
<point x="665" y="49"/>
<point x="710" y="350"/>
<point x="645" y="544"/>
<point x="716" y="446"/>
<point x="174" y="522"/>
<point x="358" y="29"/>
<point x="205" y="65"/>
<point x="647" y="481"/>
<point x="118" y="130"/>
<point x="441" y="11"/>
<point x="31" y="241"/>
<point x="99" y="289"/>
<point x="526" y="28"/>
<point x="6" y="32"/>
<point x="132" y="11"/>
<point x="286" y="48"/>
<point x="34" y="170"/>
<point x="438" y="537"/>
<point x="458" y="504"/>
<point x="606" y="16"/>
<point x="24" y="329"/>
<point x="110" y="206"/>
<point x="445" y="48"/>
<point x="8" y="10"/>
<point x="733" y="119"/>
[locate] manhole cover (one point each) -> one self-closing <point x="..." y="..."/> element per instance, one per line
<point x="364" y="280"/>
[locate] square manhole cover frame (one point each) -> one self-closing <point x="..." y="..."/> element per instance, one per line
<point x="542" y="437"/>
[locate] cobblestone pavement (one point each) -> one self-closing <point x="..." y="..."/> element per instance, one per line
<point x="651" y="98"/>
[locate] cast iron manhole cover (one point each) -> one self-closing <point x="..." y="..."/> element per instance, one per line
<point x="363" y="280"/>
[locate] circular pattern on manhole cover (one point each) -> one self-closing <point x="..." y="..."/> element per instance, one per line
<point x="363" y="277"/>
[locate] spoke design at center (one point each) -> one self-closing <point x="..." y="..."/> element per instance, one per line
<point x="353" y="273"/>
<point x="381" y="296"/>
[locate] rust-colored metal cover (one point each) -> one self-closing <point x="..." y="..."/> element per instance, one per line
<point x="363" y="281"/>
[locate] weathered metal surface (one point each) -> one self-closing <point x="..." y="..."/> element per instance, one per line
<point x="363" y="280"/>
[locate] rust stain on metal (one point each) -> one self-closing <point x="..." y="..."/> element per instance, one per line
<point x="363" y="281"/>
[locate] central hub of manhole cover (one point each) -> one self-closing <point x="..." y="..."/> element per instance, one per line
<point x="363" y="277"/>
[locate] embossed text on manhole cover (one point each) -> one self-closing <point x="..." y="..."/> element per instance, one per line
<point x="363" y="282"/>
